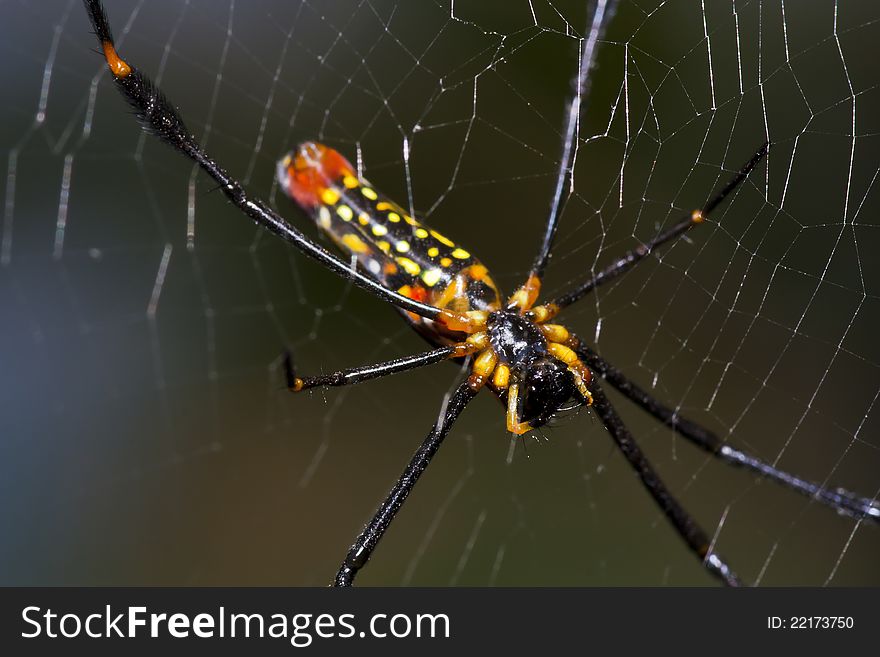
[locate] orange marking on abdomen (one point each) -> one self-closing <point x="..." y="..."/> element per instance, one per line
<point x="312" y="169"/>
<point x="417" y="293"/>
<point x="324" y="184"/>
<point x="478" y="272"/>
<point x="117" y="65"/>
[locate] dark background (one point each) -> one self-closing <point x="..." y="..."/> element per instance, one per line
<point x="141" y="447"/>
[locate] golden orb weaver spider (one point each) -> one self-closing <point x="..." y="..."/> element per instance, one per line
<point x="535" y="368"/>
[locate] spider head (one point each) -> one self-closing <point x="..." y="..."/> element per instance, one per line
<point x="545" y="387"/>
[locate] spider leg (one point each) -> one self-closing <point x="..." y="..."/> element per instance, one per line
<point x="684" y="524"/>
<point x="514" y="425"/>
<point x="631" y="258"/>
<point x="602" y="13"/>
<point x="354" y="375"/>
<point x="372" y="533"/>
<point x="839" y="499"/>
<point x="160" y="118"/>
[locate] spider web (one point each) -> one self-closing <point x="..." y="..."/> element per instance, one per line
<point x="146" y="435"/>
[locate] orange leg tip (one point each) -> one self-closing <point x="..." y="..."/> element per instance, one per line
<point x="514" y="426"/>
<point x="518" y="428"/>
<point x="697" y="217"/>
<point x="297" y="385"/>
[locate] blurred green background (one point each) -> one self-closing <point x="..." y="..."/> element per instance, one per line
<point x="145" y="437"/>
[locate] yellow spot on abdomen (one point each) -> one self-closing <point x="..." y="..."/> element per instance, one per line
<point x="421" y="233"/>
<point x="345" y="212"/>
<point x="393" y="217"/>
<point x="379" y="230"/>
<point x="385" y="246"/>
<point x="433" y="252"/>
<point x="350" y="182"/>
<point x="432" y="276"/>
<point x="409" y="266"/>
<point x="363" y="218"/>
<point x="330" y="196"/>
<point x="369" y="193"/>
<point x="402" y="246"/>
<point x="461" y="254"/>
<point x="445" y="262"/>
<point x="355" y="243"/>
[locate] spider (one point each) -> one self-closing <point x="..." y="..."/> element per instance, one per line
<point x="536" y="368"/>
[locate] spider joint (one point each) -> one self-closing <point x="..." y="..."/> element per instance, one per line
<point x="478" y="341"/>
<point x="501" y="376"/>
<point x="118" y="67"/>
<point x="555" y="333"/>
<point x="524" y="298"/>
<point x="471" y="322"/>
<point x="483" y="367"/>
<point x="541" y="314"/>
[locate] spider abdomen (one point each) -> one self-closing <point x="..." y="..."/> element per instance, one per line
<point x="390" y="246"/>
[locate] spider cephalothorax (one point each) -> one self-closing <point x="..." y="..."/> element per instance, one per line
<point x="534" y="362"/>
<point x="541" y="370"/>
